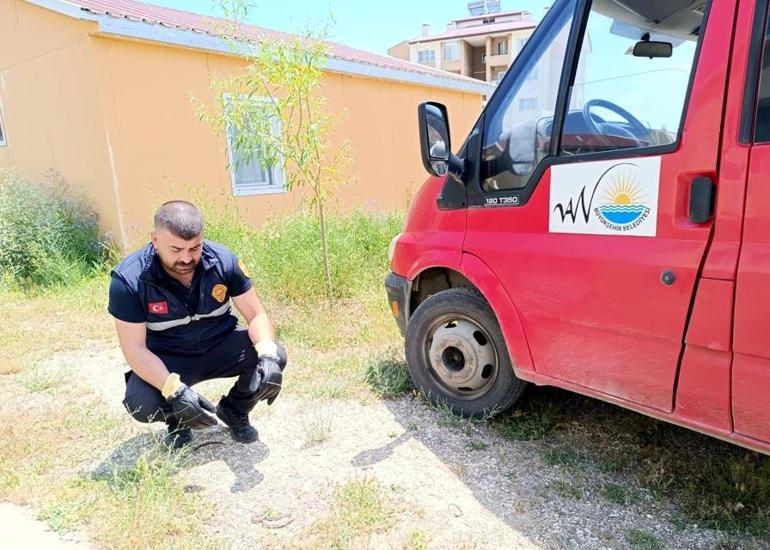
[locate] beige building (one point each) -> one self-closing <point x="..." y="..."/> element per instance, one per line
<point x="480" y="46"/>
<point x="100" y="92"/>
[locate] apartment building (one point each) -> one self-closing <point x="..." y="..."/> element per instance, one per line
<point x="480" y="46"/>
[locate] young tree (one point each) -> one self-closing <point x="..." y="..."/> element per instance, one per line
<point x="275" y="111"/>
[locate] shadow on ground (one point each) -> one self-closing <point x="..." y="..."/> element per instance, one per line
<point x="207" y="446"/>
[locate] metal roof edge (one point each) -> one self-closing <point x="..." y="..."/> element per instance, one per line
<point x="376" y="71"/>
<point x="140" y="30"/>
<point x="65" y="8"/>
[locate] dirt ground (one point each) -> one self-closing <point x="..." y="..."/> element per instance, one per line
<point x="445" y="483"/>
<point x="20" y="529"/>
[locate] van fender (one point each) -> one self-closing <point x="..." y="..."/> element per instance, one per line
<point x="416" y="257"/>
<point x="484" y="279"/>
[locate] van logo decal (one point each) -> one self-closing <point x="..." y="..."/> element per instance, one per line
<point x="605" y="197"/>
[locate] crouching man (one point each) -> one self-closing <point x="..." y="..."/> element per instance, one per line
<point x="171" y="303"/>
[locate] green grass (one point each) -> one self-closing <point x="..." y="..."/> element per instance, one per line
<point x="642" y="540"/>
<point x="448" y="416"/>
<point x="477" y="446"/>
<point x="41" y="378"/>
<point x="566" y="489"/>
<point x="561" y="456"/>
<point x="418" y="540"/>
<point x="317" y="428"/>
<point x="712" y="483"/>
<point x="42" y="458"/>
<point x="129" y="506"/>
<point x="360" y="508"/>
<point x="72" y="316"/>
<point x="388" y="377"/>
<point x="619" y="494"/>
<point x="285" y="255"/>
<point x="531" y="420"/>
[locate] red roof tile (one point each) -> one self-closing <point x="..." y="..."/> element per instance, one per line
<point x="188" y="21"/>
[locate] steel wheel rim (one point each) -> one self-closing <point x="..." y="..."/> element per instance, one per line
<point x="460" y="357"/>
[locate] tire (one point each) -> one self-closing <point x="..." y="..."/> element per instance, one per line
<point x="457" y="356"/>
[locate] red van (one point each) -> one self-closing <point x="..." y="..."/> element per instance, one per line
<point x="605" y="227"/>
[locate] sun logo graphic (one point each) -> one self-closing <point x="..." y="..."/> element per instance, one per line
<point x="624" y="206"/>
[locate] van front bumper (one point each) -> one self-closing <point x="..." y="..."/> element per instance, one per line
<point x="398" y="290"/>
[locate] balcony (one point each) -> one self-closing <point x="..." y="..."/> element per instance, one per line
<point x="452" y="66"/>
<point x="499" y="60"/>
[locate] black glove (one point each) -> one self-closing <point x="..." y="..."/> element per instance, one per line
<point x="190" y="408"/>
<point x="267" y="379"/>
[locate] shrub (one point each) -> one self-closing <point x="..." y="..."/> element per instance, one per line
<point x="284" y="255"/>
<point x="388" y="378"/>
<point x="47" y="237"/>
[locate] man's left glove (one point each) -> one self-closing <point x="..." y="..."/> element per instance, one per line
<point x="268" y="377"/>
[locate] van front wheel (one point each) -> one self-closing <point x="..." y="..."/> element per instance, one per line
<point x="457" y="355"/>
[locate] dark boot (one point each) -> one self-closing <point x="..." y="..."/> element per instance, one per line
<point x="240" y="426"/>
<point x="177" y="437"/>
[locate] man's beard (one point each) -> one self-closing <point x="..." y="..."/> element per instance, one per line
<point x="181" y="268"/>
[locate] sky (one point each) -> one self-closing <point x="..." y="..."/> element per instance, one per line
<point x="371" y="26"/>
<point x="376" y="26"/>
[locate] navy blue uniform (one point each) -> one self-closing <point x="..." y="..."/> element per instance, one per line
<point x="192" y="330"/>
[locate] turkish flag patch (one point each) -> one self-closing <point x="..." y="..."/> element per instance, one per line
<point x="158" y="308"/>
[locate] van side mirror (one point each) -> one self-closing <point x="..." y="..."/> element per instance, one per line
<point x="435" y="143"/>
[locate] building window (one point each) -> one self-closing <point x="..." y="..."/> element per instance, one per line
<point x="527" y="103"/>
<point x="249" y="176"/>
<point x="502" y="48"/>
<point x="484" y="58"/>
<point x="452" y="51"/>
<point x="426" y="56"/>
<point x="2" y="131"/>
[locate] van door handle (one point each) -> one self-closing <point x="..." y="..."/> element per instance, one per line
<point x="701" y="199"/>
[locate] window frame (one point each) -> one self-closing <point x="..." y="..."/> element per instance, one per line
<point x="448" y="47"/>
<point x="477" y="197"/>
<point x="426" y="51"/>
<point x="760" y="34"/>
<point x="274" y="173"/>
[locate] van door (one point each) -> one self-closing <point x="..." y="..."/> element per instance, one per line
<point x="751" y="345"/>
<point x="580" y="204"/>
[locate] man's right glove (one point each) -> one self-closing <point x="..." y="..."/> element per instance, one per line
<point x="189" y="407"/>
<point x="268" y="377"/>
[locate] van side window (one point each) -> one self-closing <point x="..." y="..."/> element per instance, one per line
<point x="762" y="125"/>
<point x="515" y="137"/>
<point x="624" y="100"/>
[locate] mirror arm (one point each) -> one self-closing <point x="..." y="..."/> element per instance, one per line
<point x="456" y="166"/>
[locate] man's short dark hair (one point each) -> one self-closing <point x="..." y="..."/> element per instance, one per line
<point x="181" y="218"/>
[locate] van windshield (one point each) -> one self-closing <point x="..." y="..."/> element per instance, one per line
<point x="619" y="100"/>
